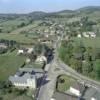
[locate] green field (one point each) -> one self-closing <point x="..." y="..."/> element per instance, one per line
<point x="64" y="86"/>
<point x="10" y="25"/>
<point x="26" y="28"/>
<point x="20" y="38"/>
<point x="9" y="64"/>
<point x="88" y="42"/>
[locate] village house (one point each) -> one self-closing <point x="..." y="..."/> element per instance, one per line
<point x="30" y="50"/>
<point x="3" y="46"/>
<point x="89" y="34"/>
<point x="63" y="96"/>
<point x="91" y="94"/>
<point x="45" y="41"/>
<point x="46" y="35"/>
<point x="46" y="30"/>
<point x="92" y="34"/>
<point x="52" y="32"/>
<point x="79" y="35"/>
<point x="25" y="51"/>
<point x="20" y="52"/>
<point x="77" y="89"/>
<point x="85" y="34"/>
<point x="26" y="78"/>
<point x="96" y="96"/>
<point x="41" y="59"/>
<point x="28" y="60"/>
<point x="61" y="26"/>
<point x="23" y="80"/>
<point x="48" y="39"/>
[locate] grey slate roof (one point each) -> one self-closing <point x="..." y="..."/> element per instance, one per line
<point x="91" y="92"/>
<point x="96" y="96"/>
<point x="62" y="96"/>
<point x="36" y="70"/>
<point x="26" y="73"/>
<point x="22" y="79"/>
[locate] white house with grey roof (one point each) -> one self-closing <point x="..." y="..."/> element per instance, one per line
<point x="89" y="34"/>
<point x="77" y="89"/>
<point x="27" y="77"/>
<point x="25" y="81"/>
<point x="92" y="94"/>
<point x="3" y="46"/>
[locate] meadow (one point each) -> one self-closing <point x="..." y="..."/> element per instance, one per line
<point x="88" y="42"/>
<point x="9" y="64"/>
<point x="20" y="38"/>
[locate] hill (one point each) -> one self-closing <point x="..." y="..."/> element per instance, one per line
<point x="89" y="8"/>
<point x="40" y="14"/>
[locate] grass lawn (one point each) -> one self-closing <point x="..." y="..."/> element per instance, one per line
<point x="64" y="86"/>
<point x="9" y="63"/>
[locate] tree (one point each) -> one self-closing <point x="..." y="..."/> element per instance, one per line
<point x="61" y="80"/>
<point x="38" y="48"/>
<point x="0" y="30"/>
<point x="62" y="52"/>
<point x="84" y="20"/>
<point x="97" y="53"/>
<point x="21" y="25"/>
<point x="97" y="68"/>
<point x="1" y="98"/>
<point x="66" y="58"/>
<point x="76" y="64"/>
<point x="87" y="68"/>
<point x="32" y="57"/>
<point x="86" y="56"/>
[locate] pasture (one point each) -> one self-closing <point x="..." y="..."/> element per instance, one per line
<point x="9" y="64"/>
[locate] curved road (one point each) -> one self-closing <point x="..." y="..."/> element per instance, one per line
<point x="47" y="89"/>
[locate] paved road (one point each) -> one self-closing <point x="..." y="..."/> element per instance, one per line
<point x="47" y="90"/>
<point x="78" y="76"/>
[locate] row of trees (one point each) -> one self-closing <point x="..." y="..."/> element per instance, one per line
<point x="85" y="60"/>
<point x="9" y="43"/>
